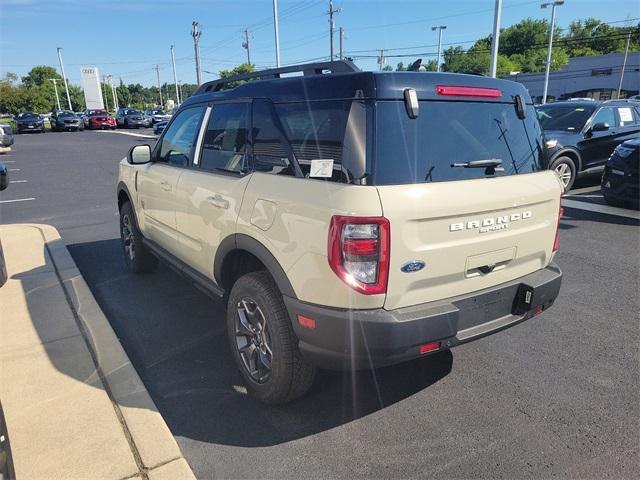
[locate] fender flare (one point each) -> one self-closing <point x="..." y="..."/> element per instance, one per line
<point x="122" y="187"/>
<point x="239" y="241"/>
<point x="565" y="150"/>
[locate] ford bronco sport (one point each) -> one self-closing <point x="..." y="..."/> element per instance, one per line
<point x="349" y="219"/>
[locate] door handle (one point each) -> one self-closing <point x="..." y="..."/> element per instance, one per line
<point x="165" y="185"/>
<point x="217" y="201"/>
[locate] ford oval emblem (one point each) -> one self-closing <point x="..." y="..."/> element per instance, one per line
<point x="413" y="266"/>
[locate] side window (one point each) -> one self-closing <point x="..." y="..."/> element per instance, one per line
<point x="605" y="115"/>
<point x="225" y="142"/>
<point x="316" y="131"/>
<point x="627" y="116"/>
<point x="179" y="139"/>
<point x="269" y="155"/>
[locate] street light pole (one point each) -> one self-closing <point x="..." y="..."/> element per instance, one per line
<point x="276" y="31"/>
<point x="624" y="63"/>
<point x="553" y="4"/>
<point x="341" y="43"/>
<point x="55" y="88"/>
<point x="175" y="78"/>
<point x="495" y="39"/>
<point x="196" y="33"/>
<point x="439" y="28"/>
<point x="64" y="77"/>
<point x="113" y="92"/>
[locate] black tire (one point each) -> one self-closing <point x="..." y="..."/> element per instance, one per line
<point x="137" y="257"/>
<point x="566" y="170"/>
<point x="290" y="376"/>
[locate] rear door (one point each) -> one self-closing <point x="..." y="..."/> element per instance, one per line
<point x="472" y="228"/>
<point x="157" y="180"/>
<point x="209" y="195"/>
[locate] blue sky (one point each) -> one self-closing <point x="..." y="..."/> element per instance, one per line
<point x="126" y="38"/>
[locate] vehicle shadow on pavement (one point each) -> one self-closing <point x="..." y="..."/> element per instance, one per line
<point x="175" y="337"/>
<point x="574" y="214"/>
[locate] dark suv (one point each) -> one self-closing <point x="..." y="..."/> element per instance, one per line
<point x="581" y="135"/>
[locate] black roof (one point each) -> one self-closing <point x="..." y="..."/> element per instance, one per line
<point x="347" y="82"/>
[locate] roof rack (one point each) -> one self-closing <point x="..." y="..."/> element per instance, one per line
<point x="339" y="66"/>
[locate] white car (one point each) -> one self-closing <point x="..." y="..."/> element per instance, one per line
<point x="153" y="116"/>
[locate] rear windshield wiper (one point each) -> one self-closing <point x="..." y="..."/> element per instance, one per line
<point x="490" y="163"/>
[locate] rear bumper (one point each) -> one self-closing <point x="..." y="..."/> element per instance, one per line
<point x="6" y="140"/>
<point x="354" y="339"/>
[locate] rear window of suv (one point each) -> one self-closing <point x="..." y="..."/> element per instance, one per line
<point x="423" y="150"/>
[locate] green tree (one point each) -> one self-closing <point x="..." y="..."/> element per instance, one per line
<point x="40" y="75"/>
<point x="124" y="95"/>
<point x="239" y="70"/>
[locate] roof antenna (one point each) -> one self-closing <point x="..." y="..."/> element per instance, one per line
<point x="415" y="66"/>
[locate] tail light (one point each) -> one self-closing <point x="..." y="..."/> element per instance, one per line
<point x="451" y="91"/>
<point x="557" y="240"/>
<point x="358" y="252"/>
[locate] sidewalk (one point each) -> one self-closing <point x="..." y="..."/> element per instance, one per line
<point x="74" y="405"/>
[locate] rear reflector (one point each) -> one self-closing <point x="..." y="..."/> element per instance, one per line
<point x="429" y="347"/>
<point x="449" y="91"/>
<point x="537" y="310"/>
<point x="307" y="322"/>
<point x="556" y="242"/>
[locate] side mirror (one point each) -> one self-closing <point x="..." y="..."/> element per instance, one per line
<point x="4" y="177"/>
<point x="600" y="127"/>
<point x="139" y="154"/>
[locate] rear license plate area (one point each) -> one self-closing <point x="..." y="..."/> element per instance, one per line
<point x="486" y="307"/>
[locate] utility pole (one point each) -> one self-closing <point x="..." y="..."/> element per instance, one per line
<point x="180" y="88"/>
<point x="175" y="78"/>
<point x="276" y="31"/>
<point x="495" y="39"/>
<point x="157" y="69"/>
<point x="624" y="63"/>
<point x="553" y="4"/>
<point x="246" y="45"/>
<point x="331" y="12"/>
<point x="440" y="28"/>
<point x="55" y="88"/>
<point x="64" y="77"/>
<point x="341" y="43"/>
<point x="381" y="59"/>
<point x="196" y="33"/>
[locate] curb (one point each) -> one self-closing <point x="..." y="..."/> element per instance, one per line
<point x="152" y="444"/>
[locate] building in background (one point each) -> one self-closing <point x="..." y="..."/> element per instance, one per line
<point x="596" y="77"/>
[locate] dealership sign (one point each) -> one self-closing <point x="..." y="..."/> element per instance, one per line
<point x="92" y="90"/>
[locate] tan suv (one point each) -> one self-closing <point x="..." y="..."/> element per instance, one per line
<point x="349" y="219"/>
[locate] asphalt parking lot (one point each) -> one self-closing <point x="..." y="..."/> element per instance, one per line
<point x="554" y="397"/>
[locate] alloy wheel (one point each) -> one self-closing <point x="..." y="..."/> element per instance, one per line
<point x="253" y="340"/>
<point x="564" y="172"/>
<point x="128" y="238"/>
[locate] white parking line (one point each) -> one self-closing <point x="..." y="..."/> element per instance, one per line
<point x="7" y="161"/>
<point x="594" y="207"/>
<point x="17" y="200"/>
<point x="13" y="169"/>
<point x="131" y="134"/>
<point x="17" y="181"/>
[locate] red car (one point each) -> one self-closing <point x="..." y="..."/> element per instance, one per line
<point x="101" y="119"/>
